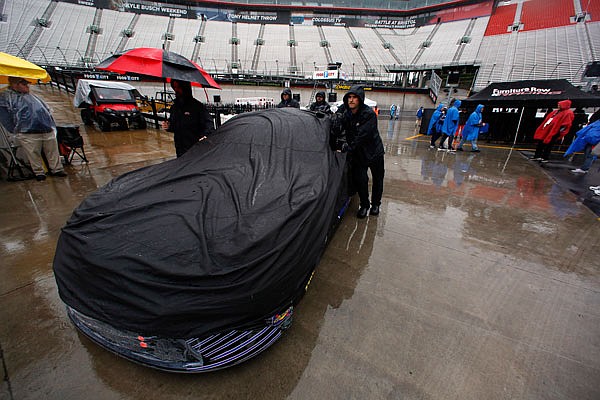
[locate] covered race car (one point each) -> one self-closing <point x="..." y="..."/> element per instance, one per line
<point x="110" y="104"/>
<point x="196" y="264"/>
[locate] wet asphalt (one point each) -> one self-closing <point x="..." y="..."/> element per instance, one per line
<point x="480" y="279"/>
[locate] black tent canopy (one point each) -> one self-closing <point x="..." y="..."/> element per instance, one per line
<point x="513" y="105"/>
<point x="534" y="93"/>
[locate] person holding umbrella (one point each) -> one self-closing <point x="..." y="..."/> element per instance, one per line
<point x="189" y="120"/>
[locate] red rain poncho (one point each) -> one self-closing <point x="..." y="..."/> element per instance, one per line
<point x="557" y="122"/>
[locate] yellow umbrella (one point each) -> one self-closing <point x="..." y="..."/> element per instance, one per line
<point x="15" y="66"/>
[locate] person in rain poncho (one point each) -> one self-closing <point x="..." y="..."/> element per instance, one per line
<point x="30" y="119"/>
<point x="586" y="138"/>
<point x="554" y="127"/>
<point x="471" y="130"/>
<point x="393" y="110"/>
<point x="320" y="104"/>
<point x="287" y="100"/>
<point x="419" y="117"/>
<point x="450" y="126"/>
<point x="432" y="129"/>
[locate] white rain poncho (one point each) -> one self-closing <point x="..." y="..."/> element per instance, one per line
<point x="25" y="113"/>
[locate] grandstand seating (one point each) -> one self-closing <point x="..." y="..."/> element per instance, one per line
<point x="532" y="52"/>
<point x="406" y="42"/>
<point x="112" y="25"/>
<point x="341" y="49"/>
<point x="592" y="8"/>
<point x="216" y="50"/>
<point x="247" y="33"/>
<point x="148" y="32"/>
<point x="372" y="46"/>
<point x="543" y="14"/>
<point x="16" y="30"/>
<point x="276" y="52"/>
<point x="444" y="43"/>
<point x="460" y="12"/>
<point x="308" y="52"/>
<point x="534" y="55"/>
<point x="501" y="19"/>
<point x="398" y="39"/>
<point x="63" y="40"/>
<point x="594" y="34"/>
<point x="471" y="49"/>
<point x="184" y="31"/>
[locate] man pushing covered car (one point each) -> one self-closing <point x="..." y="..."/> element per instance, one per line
<point x="363" y="143"/>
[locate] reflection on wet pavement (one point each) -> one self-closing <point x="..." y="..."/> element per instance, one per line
<point x="478" y="280"/>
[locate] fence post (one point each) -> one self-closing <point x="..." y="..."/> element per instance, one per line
<point x="154" y="113"/>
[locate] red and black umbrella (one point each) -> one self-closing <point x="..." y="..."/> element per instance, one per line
<point x="158" y="63"/>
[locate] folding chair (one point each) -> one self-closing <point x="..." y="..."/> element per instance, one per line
<point x="70" y="143"/>
<point x="8" y="149"/>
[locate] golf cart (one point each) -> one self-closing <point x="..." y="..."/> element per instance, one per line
<point x="109" y="104"/>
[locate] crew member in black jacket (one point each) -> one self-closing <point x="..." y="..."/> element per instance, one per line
<point x="320" y="104"/>
<point x="365" y="148"/>
<point x="287" y="100"/>
<point x="189" y="120"/>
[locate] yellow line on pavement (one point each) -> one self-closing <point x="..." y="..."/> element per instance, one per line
<point x="480" y="145"/>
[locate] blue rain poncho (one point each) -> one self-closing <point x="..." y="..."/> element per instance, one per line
<point x="451" y="122"/>
<point x="435" y="117"/>
<point x="589" y="134"/>
<point x="473" y="124"/>
<point x="25" y="113"/>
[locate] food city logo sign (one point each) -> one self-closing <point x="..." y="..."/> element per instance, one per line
<point x="536" y="91"/>
<point x="328" y="74"/>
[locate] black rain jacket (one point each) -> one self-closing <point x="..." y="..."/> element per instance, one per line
<point x="361" y="131"/>
<point x="321" y="106"/>
<point x="189" y="120"/>
<point x="290" y="102"/>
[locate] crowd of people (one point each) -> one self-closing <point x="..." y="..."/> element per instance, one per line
<point x="454" y="129"/>
<point x="450" y="127"/>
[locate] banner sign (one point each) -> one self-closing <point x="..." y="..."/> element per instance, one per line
<point x="330" y="74"/>
<point x="537" y="91"/>
<point x="357" y="21"/>
<point x="107" y="76"/>
<point x="327" y="21"/>
<point x="343" y="86"/>
<point x="392" y="23"/>
<point x="256" y="17"/>
<point x="509" y="110"/>
<point x="286" y="17"/>
<point x="161" y="9"/>
<point x="139" y="7"/>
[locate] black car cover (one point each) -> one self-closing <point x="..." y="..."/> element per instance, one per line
<point x="220" y="238"/>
